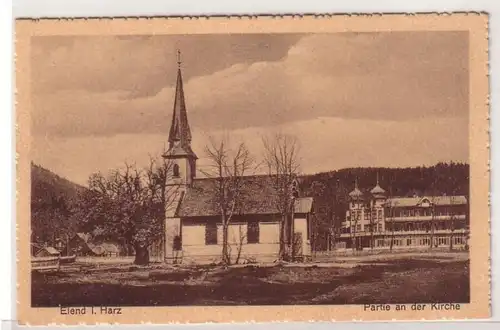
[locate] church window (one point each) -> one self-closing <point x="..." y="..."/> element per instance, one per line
<point x="175" y="170"/>
<point x="253" y="232"/>
<point x="211" y="234"/>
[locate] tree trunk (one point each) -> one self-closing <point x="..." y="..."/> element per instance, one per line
<point x="392" y="236"/>
<point x="354" y="241"/>
<point x="451" y="233"/>
<point x="141" y="254"/>
<point x="372" y="239"/>
<point x="226" y="258"/>
<point x="282" y="238"/>
<point x="432" y="227"/>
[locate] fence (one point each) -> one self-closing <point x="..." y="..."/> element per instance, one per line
<point x="324" y="256"/>
<point x="105" y="260"/>
<point x="45" y="263"/>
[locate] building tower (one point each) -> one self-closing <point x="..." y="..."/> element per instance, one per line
<point x="377" y="191"/>
<point x="181" y="162"/>
<point x="181" y="158"/>
<point x="356" y="208"/>
<point x="377" y="206"/>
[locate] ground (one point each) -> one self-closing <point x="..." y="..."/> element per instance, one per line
<point x="419" y="278"/>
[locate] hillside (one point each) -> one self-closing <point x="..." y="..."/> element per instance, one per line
<point x="51" y="200"/>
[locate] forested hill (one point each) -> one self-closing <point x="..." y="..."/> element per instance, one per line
<point x="51" y="200"/>
<point x="442" y="178"/>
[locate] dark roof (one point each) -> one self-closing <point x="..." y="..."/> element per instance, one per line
<point x="258" y="194"/>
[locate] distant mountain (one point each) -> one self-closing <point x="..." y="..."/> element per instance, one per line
<point x="443" y="178"/>
<point x="52" y="198"/>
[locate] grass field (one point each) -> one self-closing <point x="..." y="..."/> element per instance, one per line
<point x="423" y="279"/>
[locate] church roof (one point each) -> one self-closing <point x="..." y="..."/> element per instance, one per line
<point x="179" y="129"/>
<point x="179" y="136"/>
<point x="258" y="194"/>
<point x="179" y="151"/>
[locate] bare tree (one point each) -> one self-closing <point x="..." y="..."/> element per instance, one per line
<point x="391" y="206"/>
<point x="374" y="221"/>
<point x="452" y="220"/>
<point x="354" y="218"/>
<point x="433" y="220"/>
<point x="129" y="205"/>
<point x="281" y="157"/>
<point x="227" y="168"/>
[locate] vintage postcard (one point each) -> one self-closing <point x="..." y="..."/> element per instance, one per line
<point x="252" y="169"/>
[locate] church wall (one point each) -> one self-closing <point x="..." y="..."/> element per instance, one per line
<point x="195" y="249"/>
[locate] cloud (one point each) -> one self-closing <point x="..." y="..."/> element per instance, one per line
<point x="368" y="99"/>
<point x="143" y="65"/>
<point x="378" y="76"/>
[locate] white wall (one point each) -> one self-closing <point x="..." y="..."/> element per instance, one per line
<point x="194" y="248"/>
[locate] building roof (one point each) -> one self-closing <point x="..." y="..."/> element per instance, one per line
<point x="179" y="136"/>
<point x="356" y="193"/>
<point x="416" y="201"/>
<point x="50" y="250"/>
<point x="258" y="194"/>
<point x="377" y="190"/>
<point x="83" y="236"/>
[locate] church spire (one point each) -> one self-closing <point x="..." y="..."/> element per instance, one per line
<point x="180" y="133"/>
<point x="179" y="138"/>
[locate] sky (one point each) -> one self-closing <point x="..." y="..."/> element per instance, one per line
<point x="351" y="99"/>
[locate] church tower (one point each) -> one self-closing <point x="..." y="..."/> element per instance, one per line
<point x="180" y="157"/>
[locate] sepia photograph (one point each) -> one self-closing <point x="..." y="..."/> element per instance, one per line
<point x="251" y="169"/>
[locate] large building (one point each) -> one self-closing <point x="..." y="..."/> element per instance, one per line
<point x="193" y="228"/>
<point x="377" y="221"/>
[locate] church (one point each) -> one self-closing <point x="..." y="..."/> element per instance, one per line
<point x="193" y="228"/>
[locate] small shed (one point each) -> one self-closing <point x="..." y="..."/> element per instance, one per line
<point x="79" y="245"/>
<point x="106" y="249"/>
<point x="48" y="251"/>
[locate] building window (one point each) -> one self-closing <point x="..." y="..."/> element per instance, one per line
<point x="211" y="234"/>
<point x="253" y="232"/>
<point x="176" y="171"/>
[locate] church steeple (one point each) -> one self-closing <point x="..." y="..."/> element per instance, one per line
<point x="179" y="137"/>
<point x="180" y="132"/>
